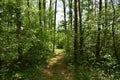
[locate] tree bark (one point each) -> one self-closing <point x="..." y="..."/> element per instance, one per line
<point x="44" y="8"/>
<point x="80" y="31"/>
<point x="64" y="8"/>
<point x="28" y="5"/>
<point x="18" y="30"/>
<point x="55" y="25"/>
<point x="106" y="24"/>
<point x="75" y="33"/>
<point x="113" y="32"/>
<point x="99" y="29"/>
<point x="70" y="13"/>
<point x="76" y="62"/>
<point x="40" y="20"/>
<point x="65" y="26"/>
<point x="50" y="14"/>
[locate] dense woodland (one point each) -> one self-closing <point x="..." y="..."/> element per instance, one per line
<point x="88" y="39"/>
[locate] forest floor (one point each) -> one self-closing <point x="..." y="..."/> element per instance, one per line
<point x="57" y="69"/>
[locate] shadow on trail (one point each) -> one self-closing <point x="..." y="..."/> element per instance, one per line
<point x="57" y="69"/>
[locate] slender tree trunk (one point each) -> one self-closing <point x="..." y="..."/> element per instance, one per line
<point x="88" y="11"/>
<point x="44" y="8"/>
<point x="50" y="14"/>
<point x="65" y="26"/>
<point x="95" y="7"/>
<point x="70" y="13"/>
<point x="40" y="20"/>
<point x="106" y="22"/>
<point x="80" y="31"/>
<point x="18" y="30"/>
<point x="113" y="32"/>
<point x="50" y="19"/>
<point x="99" y="29"/>
<point x="55" y="26"/>
<point x="28" y="5"/>
<point x="69" y="25"/>
<point x="75" y="33"/>
<point x="64" y="7"/>
<point x="76" y="62"/>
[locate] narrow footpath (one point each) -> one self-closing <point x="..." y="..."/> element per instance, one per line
<point x="57" y="69"/>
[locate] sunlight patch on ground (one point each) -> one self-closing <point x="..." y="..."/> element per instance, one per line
<point x="56" y="68"/>
<point x="59" y="51"/>
<point x="55" y="59"/>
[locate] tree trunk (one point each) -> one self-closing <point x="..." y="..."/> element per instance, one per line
<point x="55" y="26"/>
<point x="75" y="33"/>
<point x="76" y="62"/>
<point x="65" y="26"/>
<point x="80" y="31"/>
<point x="44" y="8"/>
<point x="64" y="7"/>
<point x="105" y="28"/>
<point x="40" y="20"/>
<point x="50" y="14"/>
<point x="113" y="32"/>
<point x="50" y="19"/>
<point x="70" y="13"/>
<point x="28" y="5"/>
<point x="99" y="29"/>
<point x="18" y="30"/>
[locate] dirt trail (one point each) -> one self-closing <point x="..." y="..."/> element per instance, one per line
<point x="56" y="68"/>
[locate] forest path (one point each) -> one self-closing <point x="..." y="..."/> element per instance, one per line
<point x="56" y="68"/>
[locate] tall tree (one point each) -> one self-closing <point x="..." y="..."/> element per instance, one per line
<point x="50" y="19"/>
<point x="44" y="8"/>
<point x="28" y="5"/>
<point x="18" y="30"/>
<point x="106" y="23"/>
<point x="80" y="30"/>
<point x="50" y="14"/>
<point x="70" y="13"/>
<point x="65" y="26"/>
<point x="76" y="62"/>
<point x="75" y="33"/>
<point x="106" y="20"/>
<point x="64" y="8"/>
<point x="55" y="25"/>
<point x="99" y="29"/>
<point x="113" y="32"/>
<point x="40" y="19"/>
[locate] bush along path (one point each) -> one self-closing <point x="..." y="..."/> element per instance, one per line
<point x="56" y="68"/>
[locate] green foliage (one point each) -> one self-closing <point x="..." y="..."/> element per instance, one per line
<point x="31" y="64"/>
<point x="37" y="40"/>
<point x="36" y="45"/>
<point x="61" y="41"/>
